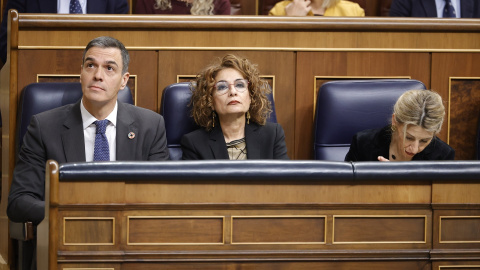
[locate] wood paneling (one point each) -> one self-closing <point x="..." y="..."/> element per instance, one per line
<point x="455" y="76"/>
<point x="379" y="229"/>
<point x="174" y="230"/>
<point x="88" y="231"/>
<point x="278" y="229"/>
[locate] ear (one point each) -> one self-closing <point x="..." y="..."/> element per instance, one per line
<point x="394" y="122"/>
<point x="125" y="78"/>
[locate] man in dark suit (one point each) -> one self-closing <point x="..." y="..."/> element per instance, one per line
<point x="69" y="133"/>
<point x="55" y="6"/>
<point x="431" y="8"/>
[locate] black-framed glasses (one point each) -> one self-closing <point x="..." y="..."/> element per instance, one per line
<point x="222" y="87"/>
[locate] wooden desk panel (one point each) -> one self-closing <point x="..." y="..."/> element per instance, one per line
<point x="247" y="224"/>
<point x="439" y="52"/>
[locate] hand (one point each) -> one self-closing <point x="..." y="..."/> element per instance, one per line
<point x="298" y="8"/>
<point x="380" y="158"/>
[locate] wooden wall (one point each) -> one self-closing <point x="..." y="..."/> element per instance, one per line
<point x="295" y="54"/>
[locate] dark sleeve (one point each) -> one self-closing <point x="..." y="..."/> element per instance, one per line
<point x="280" y="148"/>
<point x="159" y="149"/>
<point x="26" y="198"/>
<point x="447" y="152"/>
<point x="188" y="148"/>
<point x="19" y="5"/>
<point x="352" y="154"/>
<point x="450" y="155"/>
<point x="401" y="8"/>
<point x="222" y="7"/>
<point x="121" y="7"/>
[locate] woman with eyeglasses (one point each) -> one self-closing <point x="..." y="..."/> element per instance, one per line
<point x="229" y="102"/>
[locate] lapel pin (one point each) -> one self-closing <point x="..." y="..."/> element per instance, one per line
<point x="131" y="135"/>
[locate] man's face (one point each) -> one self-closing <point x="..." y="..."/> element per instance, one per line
<point x="101" y="77"/>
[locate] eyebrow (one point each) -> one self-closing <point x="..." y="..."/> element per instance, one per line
<point x="233" y="81"/>
<point x="428" y="138"/>
<point x="111" y="62"/>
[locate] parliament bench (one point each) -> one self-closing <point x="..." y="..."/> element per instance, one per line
<point x="261" y="215"/>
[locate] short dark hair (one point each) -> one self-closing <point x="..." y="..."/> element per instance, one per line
<point x="109" y="42"/>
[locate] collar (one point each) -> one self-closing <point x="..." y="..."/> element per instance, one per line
<point x="88" y="119"/>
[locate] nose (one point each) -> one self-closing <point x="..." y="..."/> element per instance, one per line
<point x="232" y="89"/>
<point x="413" y="147"/>
<point x="98" y="75"/>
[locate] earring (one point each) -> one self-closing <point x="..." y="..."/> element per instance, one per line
<point x="248" y="117"/>
<point x="393" y="127"/>
<point x="213" y="119"/>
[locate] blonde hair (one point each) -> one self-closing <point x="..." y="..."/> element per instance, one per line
<point x="204" y="85"/>
<point x="422" y="108"/>
<point x="199" y="7"/>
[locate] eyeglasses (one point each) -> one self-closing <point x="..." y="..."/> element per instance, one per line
<point x="240" y="85"/>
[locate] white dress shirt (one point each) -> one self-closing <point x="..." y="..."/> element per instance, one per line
<point x="441" y="5"/>
<point x="63" y="6"/>
<point x="89" y="130"/>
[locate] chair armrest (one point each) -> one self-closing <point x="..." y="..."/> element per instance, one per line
<point x="21" y="231"/>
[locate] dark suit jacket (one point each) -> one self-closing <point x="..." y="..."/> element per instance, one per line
<point x="58" y="134"/>
<point x="263" y="142"/>
<point x="368" y="144"/>
<point x="50" y="6"/>
<point x="427" y="8"/>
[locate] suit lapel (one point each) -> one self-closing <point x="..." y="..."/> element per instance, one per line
<point x="96" y="6"/>
<point x="217" y="144"/>
<point x="126" y="145"/>
<point x="253" y="141"/>
<point x="429" y="7"/>
<point x="72" y="136"/>
<point x="466" y="8"/>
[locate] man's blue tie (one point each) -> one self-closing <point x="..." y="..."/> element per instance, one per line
<point x="101" y="150"/>
<point x="449" y="10"/>
<point x="75" y="7"/>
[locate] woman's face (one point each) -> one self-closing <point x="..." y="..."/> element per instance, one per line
<point x="230" y="95"/>
<point x="415" y="140"/>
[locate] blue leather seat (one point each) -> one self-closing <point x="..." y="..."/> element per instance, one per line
<point x="177" y="115"/>
<point x="40" y="97"/>
<point x="37" y="98"/>
<point x="346" y="107"/>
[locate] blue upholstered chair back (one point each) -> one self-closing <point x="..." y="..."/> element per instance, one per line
<point x="177" y="114"/>
<point x="40" y="97"/>
<point x="346" y="107"/>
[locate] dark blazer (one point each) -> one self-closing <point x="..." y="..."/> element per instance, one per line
<point x="263" y="142"/>
<point x="50" y="6"/>
<point x="428" y="8"/>
<point x="368" y="144"/>
<point x="58" y="134"/>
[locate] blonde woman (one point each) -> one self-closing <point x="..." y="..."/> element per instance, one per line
<point x="416" y="120"/>
<point x="316" y="8"/>
<point x="193" y="7"/>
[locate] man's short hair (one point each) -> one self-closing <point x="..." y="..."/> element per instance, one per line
<point x="109" y="42"/>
